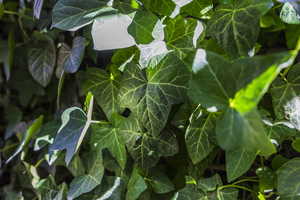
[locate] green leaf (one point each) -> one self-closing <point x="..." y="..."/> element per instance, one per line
<point x="289" y="14"/>
<point x="70" y="15"/>
<point x="266" y="179"/>
<point x="243" y="131"/>
<point x="211" y="85"/>
<point x="140" y="89"/>
<point x="238" y="162"/>
<point x="74" y="59"/>
<point x="288" y="177"/>
<point x="182" y="35"/>
<point x="296" y="144"/>
<point x="142" y="27"/>
<point x="42" y="59"/>
<point x="197" y="8"/>
<point x="1" y="10"/>
<point x="105" y="88"/>
<point x="136" y="185"/>
<point x="110" y="137"/>
<point x="210" y="184"/>
<point x="86" y="183"/>
<point x="30" y="133"/>
<point x="75" y="124"/>
<point x="189" y="192"/>
<point x="198" y="135"/>
<point x="159" y="182"/>
<point x="46" y="135"/>
<point x="165" y="7"/>
<point x="236" y="26"/>
<point x="285" y="96"/>
<point x="113" y="189"/>
<point x="228" y="194"/>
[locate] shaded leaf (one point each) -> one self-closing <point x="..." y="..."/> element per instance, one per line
<point x="37" y="8"/>
<point x="197" y="8"/>
<point x="136" y="185"/>
<point x="72" y="63"/>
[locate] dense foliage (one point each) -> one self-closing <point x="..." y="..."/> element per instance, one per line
<point x="149" y="99"/>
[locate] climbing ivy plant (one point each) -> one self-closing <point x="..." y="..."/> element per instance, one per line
<point x="149" y="99"/>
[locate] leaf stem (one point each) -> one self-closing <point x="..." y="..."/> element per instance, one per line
<point x="9" y="12"/>
<point x="236" y="186"/>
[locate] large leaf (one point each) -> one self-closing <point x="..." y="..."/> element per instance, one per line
<point x="238" y="161"/>
<point x="86" y="183"/>
<point x="235" y="26"/>
<point x="243" y="131"/>
<point x="142" y="27"/>
<point x="286" y="96"/>
<point x="151" y="92"/>
<point x="105" y="88"/>
<point x="198" y="135"/>
<point x="41" y="59"/>
<point x="288" y="180"/>
<point x="211" y="85"/>
<point x="75" y="124"/>
<point x="73" y="14"/>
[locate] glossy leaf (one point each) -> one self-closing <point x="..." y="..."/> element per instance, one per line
<point x="71" y="15"/>
<point x="235" y="25"/>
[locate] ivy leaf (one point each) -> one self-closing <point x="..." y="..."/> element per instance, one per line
<point x="30" y="133"/>
<point x="110" y="137"/>
<point x="287" y="179"/>
<point x="289" y="14"/>
<point x="46" y="135"/>
<point x="113" y="189"/>
<point x="70" y="15"/>
<point x="161" y="7"/>
<point x="243" y="131"/>
<point x="86" y="183"/>
<point x="189" y="192"/>
<point x="142" y="27"/>
<point x="73" y="60"/>
<point x="41" y="59"/>
<point x="182" y="35"/>
<point x="160" y="182"/>
<point x="197" y="8"/>
<point x="235" y="26"/>
<point x="238" y="161"/>
<point x="210" y="184"/>
<point x="140" y="89"/>
<point x="105" y="88"/>
<point x="136" y="185"/>
<point x="285" y="96"/>
<point x="75" y="124"/>
<point x="198" y="134"/>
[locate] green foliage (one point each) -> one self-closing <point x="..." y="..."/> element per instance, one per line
<point x="200" y="101"/>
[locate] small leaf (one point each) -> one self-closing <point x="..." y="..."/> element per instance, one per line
<point x="210" y="184"/>
<point x="41" y="59"/>
<point x="165" y="7"/>
<point x="37" y="8"/>
<point x="287" y="179"/>
<point x="197" y="8"/>
<point x="289" y="14"/>
<point x="72" y="63"/>
<point x="30" y="133"/>
<point x="75" y="124"/>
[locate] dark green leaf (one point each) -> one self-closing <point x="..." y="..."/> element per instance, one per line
<point x="210" y="184"/>
<point x="165" y="7"/>
<point x="159" y="182"/>
<point x="198" y="134"/>
<point x="136" y="185"/>
<point x="150" y="93"/>
<point x="238" y="162"/>
<point x="197" y="8"/>
<point x="235" y="26"/>
<point x="288" y="177"/>
<point x="72" y="63"/>
<point x="105" y="88"/>
<point x="142" y="27"/>
<point x="41" y="60"/>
